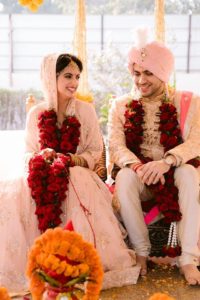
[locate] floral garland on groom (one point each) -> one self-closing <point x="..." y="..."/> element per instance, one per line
<point x="165" y="196"/>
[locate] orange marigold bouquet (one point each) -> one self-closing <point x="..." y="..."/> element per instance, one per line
<point x="58" y="261"/>
<point x="4" y="294"/>
<point x="33" y="5"/>
<point x="161" y="296"/>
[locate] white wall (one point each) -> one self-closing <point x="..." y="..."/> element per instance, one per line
<point x="34" y="36"/>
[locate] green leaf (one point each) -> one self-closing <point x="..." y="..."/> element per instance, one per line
<point x="81" y="279"/>
<point x="44" y="277"/>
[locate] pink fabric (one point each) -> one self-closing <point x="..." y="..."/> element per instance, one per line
<point x="154" y="57"/>
<point x="111" y="188"/>
<point x="151" y="215"/>
<point x="185" y="104"/>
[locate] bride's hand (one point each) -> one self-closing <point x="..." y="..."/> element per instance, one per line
<point x="48" y="153"/>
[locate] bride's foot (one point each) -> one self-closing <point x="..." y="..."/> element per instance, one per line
<point x="142" y="260"/>
<point x="191" y="274"/>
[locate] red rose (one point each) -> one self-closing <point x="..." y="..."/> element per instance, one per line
<point x="132" y="137"/>
<point x="177" y="132"/>
<point x="129" y="114"/>
<point x="48" y="197"/>
<point x="163" y="138"/>
<point x="173" y="190"/>
<point x="47" y="114"/>
<point x="172" y="142"/>
<point x="35" y="182"/>
<point x="170" y="181"/>
<point x="54" y="144"/>
<point x="59" y="277"/>
<point x="168" y="126"/>
<point x="128" y="125"/>
<point x="53" y="187"/>
<point x="138" y="119"/>
<point x="50" y="129"/>
<point x="75" y="141"/>
<point x="73" y="121"/>
<point x="138" y="130"/>
<point x="171" y="251"/>
<point x="165" y="116"/>
<point x="66" y="159"/>
<point x="171" y="108"/>
<point x="37" y="162"/>
<point x="163" y="207"/>
<point x="135" y="105"/>
<point x="65" y="137"/>
<point x="66" y="146"/>
<point x="41" y="210"/>
<point x="194" y="162"/>
<point x="57" y="168"/>
<point x="36" y="192"/>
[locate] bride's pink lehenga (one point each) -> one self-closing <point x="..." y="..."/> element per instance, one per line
<point x="19" y="224"/>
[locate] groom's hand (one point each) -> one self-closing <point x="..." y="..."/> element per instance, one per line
<point x="152" y="172"/>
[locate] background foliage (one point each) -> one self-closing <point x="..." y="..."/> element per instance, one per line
<point x="13" y="108"/>
<point x="112" y="7"/>
<point x="109" y="73"/>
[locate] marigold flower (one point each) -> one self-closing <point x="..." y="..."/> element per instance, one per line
<point x="33" y="5"/>
<point x="24" y="2"/>
<point x="83" y="268"/>
<point x="61" y="268"/>
<point x="63" y="247"/>
<point x="4" y="294"/>
<point x="75" y="272"/>
<point x="37" y="2"/>
<point x="68" y="270"/>
<point x="54" y="260"/>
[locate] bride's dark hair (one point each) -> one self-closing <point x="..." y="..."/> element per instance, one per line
<point x="64" y="60"/>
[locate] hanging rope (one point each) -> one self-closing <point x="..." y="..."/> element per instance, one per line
<point x="160" y="20"/>
<point x="79" y="49"/>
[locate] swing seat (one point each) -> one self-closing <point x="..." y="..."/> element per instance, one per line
<point x="158" y="231"/>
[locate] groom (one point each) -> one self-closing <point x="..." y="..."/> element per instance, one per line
<point x="154" y="137"/>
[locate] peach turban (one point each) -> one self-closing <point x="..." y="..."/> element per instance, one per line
<point x="154" y="57"/>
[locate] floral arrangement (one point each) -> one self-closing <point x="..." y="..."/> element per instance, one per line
<point x="61" y="259"/>
<point x="4" y="294"/>
<point x="161" y="296"/>
<point x="166" y="196"/>
<point x="62" y="140"/>
<point x="49" y="176"/>
<point x="48" y="180"/>
<point x="33" y="5"/>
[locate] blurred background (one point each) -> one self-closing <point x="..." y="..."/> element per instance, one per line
<point x="25" y="37"/>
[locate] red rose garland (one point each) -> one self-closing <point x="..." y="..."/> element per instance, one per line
<point x="48" y="178"/>
<point x="65" y="139"/>
<point x="166" y="196"/>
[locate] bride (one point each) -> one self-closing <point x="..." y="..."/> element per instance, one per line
<point x="63" y="144"/>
